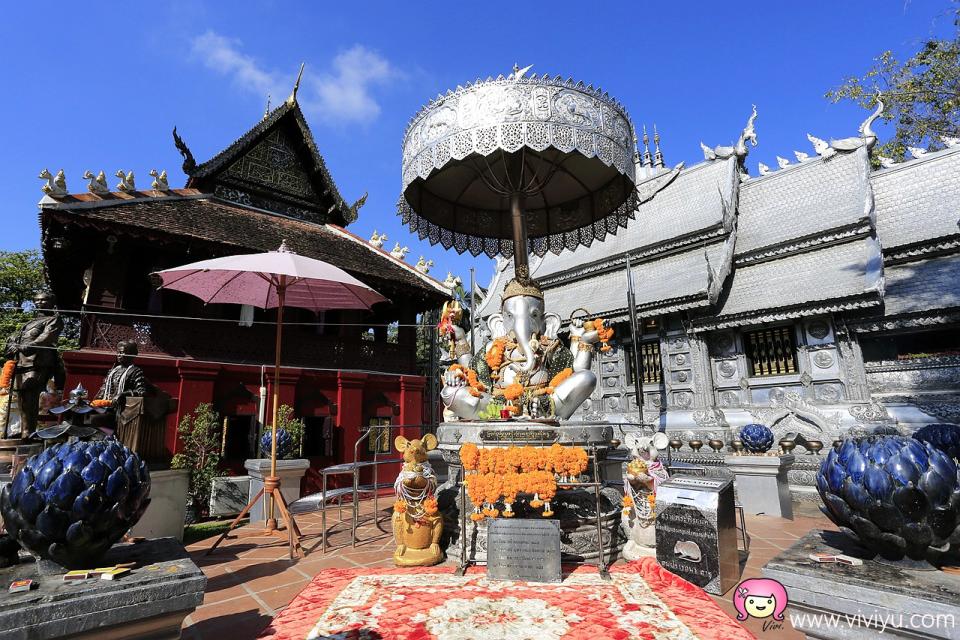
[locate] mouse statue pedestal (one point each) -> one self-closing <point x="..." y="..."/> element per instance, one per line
<point x="641" y="477"/>
<point x="417" y="523"/>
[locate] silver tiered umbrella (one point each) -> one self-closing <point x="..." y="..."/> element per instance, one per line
<point x="495" y="162"/>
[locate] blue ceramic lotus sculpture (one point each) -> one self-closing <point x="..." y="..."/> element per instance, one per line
<point x="756" y="438"/>
<point x="284" y="444"/>
<point x="945" y="437"/>
<point x="73" y="501"/>
<point x="897" y="496"/>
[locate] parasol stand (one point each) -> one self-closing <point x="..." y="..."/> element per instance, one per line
<point x="271" y="484"/>
<point x="274" y="279"/>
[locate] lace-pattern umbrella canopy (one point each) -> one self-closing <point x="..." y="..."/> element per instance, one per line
<point x="540" y="162"/>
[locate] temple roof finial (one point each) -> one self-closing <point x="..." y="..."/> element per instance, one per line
<point x="658" y="157"/>
<point x="293" y="94"/>
<point x="647" y="160"/>
<point x="266" y="111"/>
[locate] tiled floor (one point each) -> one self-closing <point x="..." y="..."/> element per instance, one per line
<point x="250" y="579"/>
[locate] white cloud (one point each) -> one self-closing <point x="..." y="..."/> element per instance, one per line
<point x="342" y="94"/>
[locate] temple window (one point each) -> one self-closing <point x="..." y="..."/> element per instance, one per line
<point x="771" y="351"/>
<point x="649" y="353"/>
<point x="379" y="439"/>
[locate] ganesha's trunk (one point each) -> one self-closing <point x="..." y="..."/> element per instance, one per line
<point x="524" y="340"/>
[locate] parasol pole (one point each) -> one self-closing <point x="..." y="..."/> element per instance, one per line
<point x="519" y="223"/>
<point x="281" y="293"/>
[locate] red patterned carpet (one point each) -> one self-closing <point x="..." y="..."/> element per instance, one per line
<point x="642" y="601"/>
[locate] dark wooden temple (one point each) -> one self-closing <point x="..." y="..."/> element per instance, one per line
<point x="270" y="185"/>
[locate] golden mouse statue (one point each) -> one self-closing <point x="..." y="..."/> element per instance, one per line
<point x="417" y="523"/>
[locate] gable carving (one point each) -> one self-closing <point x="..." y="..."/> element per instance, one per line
<point x="274" y="164"/>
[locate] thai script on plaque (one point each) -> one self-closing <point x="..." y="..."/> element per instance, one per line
<point x="519" y="435"/>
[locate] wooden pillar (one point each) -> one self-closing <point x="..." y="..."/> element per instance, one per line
<point x="349" y="411"/>
<point x="411" y="401"/>
<point x="197" y="380"/>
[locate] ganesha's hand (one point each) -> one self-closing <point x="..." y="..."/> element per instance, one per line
<point x="454" y="378"/>
<point x="578" y="333"/>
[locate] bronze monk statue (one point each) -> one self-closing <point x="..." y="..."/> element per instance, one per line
<point x="125" y="379"/>
<point x="34" y="350"/>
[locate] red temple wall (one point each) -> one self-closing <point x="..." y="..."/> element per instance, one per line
<point x="351" y="399"/>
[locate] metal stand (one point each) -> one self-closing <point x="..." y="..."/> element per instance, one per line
<point x="271" y="487"/>
<point x="601" y="563"/>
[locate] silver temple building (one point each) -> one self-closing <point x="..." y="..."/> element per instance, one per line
<point x="821" y="298"/>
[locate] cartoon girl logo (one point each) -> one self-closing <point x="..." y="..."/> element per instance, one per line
<point x="760" y="598"/>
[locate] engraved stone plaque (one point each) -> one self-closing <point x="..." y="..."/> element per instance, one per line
<point x="524" y="550"/>
<point x="518" y="435"/>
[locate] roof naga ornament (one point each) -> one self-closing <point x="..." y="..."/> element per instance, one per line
<point x="98" y="183"/>
<point x="56" y="185"/>
<point x="820" y="147"/>
<point x="740" y="149"/>
<point x="354" y="209"/>
<point x="867" y="136"/>
<point x="189" y="164"/>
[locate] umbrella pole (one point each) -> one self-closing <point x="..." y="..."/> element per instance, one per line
<point x="273" y="498"/>
<point x="281" y="294"/>
<point x="519" y="225"/>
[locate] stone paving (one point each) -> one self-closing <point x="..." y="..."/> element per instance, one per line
<point x="251" y="579"/>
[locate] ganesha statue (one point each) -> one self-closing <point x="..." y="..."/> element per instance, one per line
<point x="641" y="477"/>
<point x="524" y="369"/>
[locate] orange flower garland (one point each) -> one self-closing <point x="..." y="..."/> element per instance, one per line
<point x="6" y="377"/>
<point x="400" y="506"/>
<point x="430" y="506"/>
<point x="604" y="332"/>
<point x="494" y="356"/>
<point x="504" y="472"/>
<point x="475" y="387"/>
<point x="470" y="456"/>
<point x="513" y="391"/>
<point x="100" y="403"/>
<point x="560" y="377"/>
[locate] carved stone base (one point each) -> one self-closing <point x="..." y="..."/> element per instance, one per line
<point x="575" y="508"/>
<point x="578" y="526"/>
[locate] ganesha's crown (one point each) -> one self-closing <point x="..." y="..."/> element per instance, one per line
<point x="526" y="287"/>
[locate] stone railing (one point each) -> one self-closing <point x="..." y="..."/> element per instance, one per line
<point x="231" y="343"/>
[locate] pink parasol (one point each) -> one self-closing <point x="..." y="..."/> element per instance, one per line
<point x="257" y="279"/>
<point x="271" y="280"/>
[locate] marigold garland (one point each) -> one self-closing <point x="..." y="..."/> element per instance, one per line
<point x="6" y="377"/>
<point x="502" y="473"/>
<point x="560" y="377"/>
<point x="494" y="356"/>
<point x="400" y="506"/>
<point x="100" y="403"/>
<point x="470" y="456"/>
<point x="430" y="506"/>
<point x="513" y="391"/>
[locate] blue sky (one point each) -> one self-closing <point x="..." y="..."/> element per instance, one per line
<point x="100" y="87"/>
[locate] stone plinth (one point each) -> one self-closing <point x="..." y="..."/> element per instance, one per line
<point x="289" y="471"/>
<point x="229" y="495"/>
<point x="866" y="599"/>
<point x="149" y="602"/>
<point x="762" y="485"/>
<point x="575" y="508"/>
<point x="165" y="516"/>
